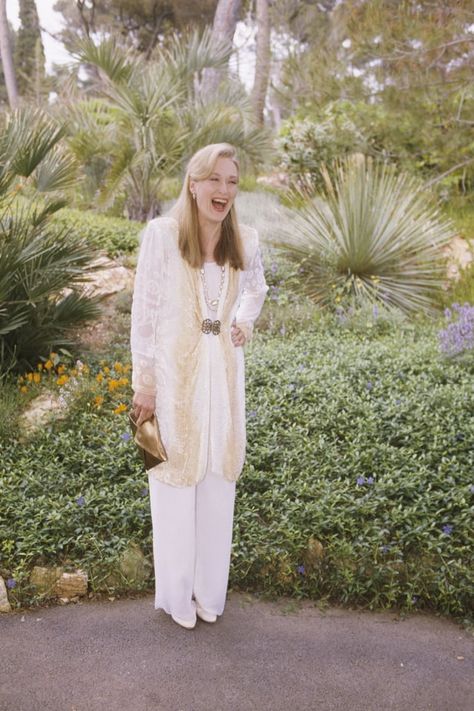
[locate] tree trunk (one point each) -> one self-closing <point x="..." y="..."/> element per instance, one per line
<point x="223" y="29"/>
<point x="262" y="61"/>
<point x="7" y="58"/>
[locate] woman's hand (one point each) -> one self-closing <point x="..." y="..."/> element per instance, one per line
<point x="143" y="407"/>
<point x="237" y="336"/>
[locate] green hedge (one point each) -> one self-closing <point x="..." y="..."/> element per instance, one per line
<point x="112" y="234"/>
<point x="357" y="485"/>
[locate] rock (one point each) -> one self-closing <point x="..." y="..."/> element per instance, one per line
<point x="459" y="255"/>
<point x="40" y="410"/>
<point x="4" y="604"/>
<point x="44" y="579"/>
<point x="275" y="180"/>
<point x="109" y="278"/>
<point x="71" y="585"/>
<point x="314" y="553"/>
<point x="133" y="568"/>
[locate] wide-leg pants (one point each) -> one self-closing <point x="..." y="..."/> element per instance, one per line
<point x="192" y="539"/>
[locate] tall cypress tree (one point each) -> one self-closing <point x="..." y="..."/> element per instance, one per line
<point x="29" y="53"/>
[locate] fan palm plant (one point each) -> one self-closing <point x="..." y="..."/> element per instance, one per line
<point x="147" y="116"/>
<point x="370" y="236"/>
<point x="37" y="265"/>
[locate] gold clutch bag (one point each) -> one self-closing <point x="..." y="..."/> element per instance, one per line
<point x="148" y="440"/>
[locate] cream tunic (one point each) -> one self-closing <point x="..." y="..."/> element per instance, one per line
<point x="198" y="378"/>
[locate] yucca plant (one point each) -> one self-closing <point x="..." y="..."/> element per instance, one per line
<point x="42" y="281"/>
<point x="144" y="118"/>
<point x="371" y="235"/>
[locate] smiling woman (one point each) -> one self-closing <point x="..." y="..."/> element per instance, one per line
<point x="199" y="288"/>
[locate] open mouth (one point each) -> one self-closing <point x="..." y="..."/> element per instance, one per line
<point x="219" y="204"/>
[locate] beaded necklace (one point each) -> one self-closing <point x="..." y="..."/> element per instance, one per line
<point x="213" y="304"/>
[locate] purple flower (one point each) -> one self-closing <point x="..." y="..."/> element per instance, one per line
<point x="360" y="480"/>
<point x="375" y="311"/>
<point x="80" y="501"/>
<point x="472" y="489"/>
<point x="447" y="529"/>
<point x="301" y="569"/>
<point x="253" y="413"/>
<point x="370" y="480"/>
<point x="369" y="386"/>
<point x="274" y="267"/>
<point x="458" y="336"/>
<point x="291" y="386"/>
<point x="282" y="330"/>
<point x="125" y="436"/>
<point x="385" y="548"/>
<point x="398" y="402"/>
<point x="301" y="367"/>
<point x="11" y="583"/>
<point x="144" y="491"/>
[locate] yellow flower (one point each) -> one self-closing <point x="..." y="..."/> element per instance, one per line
<point x="62" y="380"/>
<point x="23" y="389"/>
<point x="118" y="367"/>
<point x="107" y="369"/>
<point x="338" y="298"/>
<point x="37" y="378"/>
<point x="30" y="377"/>
<point x="120" y="408"/>
<point x="99" y="377"/>
<point x="40" y="366"/>
<point x="98" y="400"/>
<point x="113" y="385"/>
<point x="48" y="365"/>
<point x="85" y="369"/>
<point x="21" y="379"/>
<point x="126" y="368"/>
<point x="73" y="371"/>
<point x="123" y="381"/>
<point x="61" y="369"/>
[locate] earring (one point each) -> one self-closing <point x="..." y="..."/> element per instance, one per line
<point x="194" y="196"/>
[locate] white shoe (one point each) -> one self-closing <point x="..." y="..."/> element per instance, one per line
<point x="184" y="623"/>
<point x="204" y="615"/>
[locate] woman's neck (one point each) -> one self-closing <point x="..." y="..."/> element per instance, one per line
<point x="209" y="235"/>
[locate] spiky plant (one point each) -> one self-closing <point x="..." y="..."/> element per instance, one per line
<point x="372" y="235"/>
<point x="146" y="117"/>
<point x="37" y="265"/>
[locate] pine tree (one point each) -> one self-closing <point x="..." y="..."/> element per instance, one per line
<point x="29" y="53"/>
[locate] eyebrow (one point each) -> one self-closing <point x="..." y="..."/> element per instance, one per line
<point x="220" y="175"/>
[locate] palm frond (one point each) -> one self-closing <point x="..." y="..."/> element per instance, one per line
<point x="29" y="138"/>
<point x="191" y="54"/>
<point x="56" y="172"/>
<point x="108" y="56"/>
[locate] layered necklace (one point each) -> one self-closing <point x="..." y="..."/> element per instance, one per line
<point x="213" y="304"/>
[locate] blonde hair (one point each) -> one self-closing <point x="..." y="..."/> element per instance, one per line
<point x="185" y="211"/>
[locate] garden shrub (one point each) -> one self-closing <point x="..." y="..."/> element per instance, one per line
<point x="114" y="235"/>
<point x="372" y="236"/>
<point x="356" y="488"/>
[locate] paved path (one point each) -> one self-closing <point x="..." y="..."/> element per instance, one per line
<point x="258" y="656"/>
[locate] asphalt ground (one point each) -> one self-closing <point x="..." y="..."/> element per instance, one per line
<point x="258" y="656"/>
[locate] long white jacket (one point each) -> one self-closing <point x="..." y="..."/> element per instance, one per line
<point x="197" y="378"/>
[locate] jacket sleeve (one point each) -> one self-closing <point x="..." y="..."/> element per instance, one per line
<point x="147" y="297"/>
<point x="253" y="295"/>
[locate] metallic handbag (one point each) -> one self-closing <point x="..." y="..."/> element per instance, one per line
<point x="148" y="440"/>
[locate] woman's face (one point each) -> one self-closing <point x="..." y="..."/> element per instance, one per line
<point x="215" y="194"/>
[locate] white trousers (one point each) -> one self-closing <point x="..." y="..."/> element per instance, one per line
<point x="192" y="539"/>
